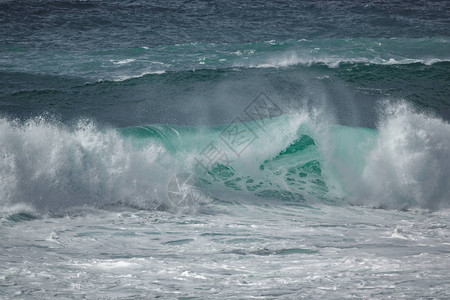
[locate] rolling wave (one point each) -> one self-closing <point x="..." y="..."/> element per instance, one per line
<point x="293" y="159"/>
<point x="123" y="64"/>
<point x="211" y="96"/>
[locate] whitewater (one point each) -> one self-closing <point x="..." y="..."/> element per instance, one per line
<point x="299" y="207"/>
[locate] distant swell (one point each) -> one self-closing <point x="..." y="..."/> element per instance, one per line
<point x="125" y="63"/>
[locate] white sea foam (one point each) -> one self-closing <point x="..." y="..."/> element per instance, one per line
<point x="410" y="164"/>
<point x="292" y="59"/>
<point x="50" y="167"/>
<point x="127" y="77"/>
<point x="123" y="62"/>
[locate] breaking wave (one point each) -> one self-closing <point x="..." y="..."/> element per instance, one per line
<point x="293" y="159"/>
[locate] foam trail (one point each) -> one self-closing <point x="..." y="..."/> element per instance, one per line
<point x="291" y="58"/>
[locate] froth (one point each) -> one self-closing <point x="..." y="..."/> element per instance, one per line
<point x="51" y="167"/>
<point x="410" y="164"/>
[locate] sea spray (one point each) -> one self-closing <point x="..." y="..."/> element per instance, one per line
<point x="410" y="164"/>
<point x="52" y="167"/>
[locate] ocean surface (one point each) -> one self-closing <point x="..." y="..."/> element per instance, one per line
<point x="224" y="150"/>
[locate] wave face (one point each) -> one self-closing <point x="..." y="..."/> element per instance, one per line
<point x="294" y="158"/>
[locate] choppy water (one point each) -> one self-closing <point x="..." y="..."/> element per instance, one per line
<point x="211" y="150"/>
<point x="245" y="250"/>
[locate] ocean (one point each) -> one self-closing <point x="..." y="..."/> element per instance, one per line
<point x="224" y="150"/>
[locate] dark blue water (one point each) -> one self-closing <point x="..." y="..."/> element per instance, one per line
<point x="132" y="24"/>
<point x="53" y="53"/>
